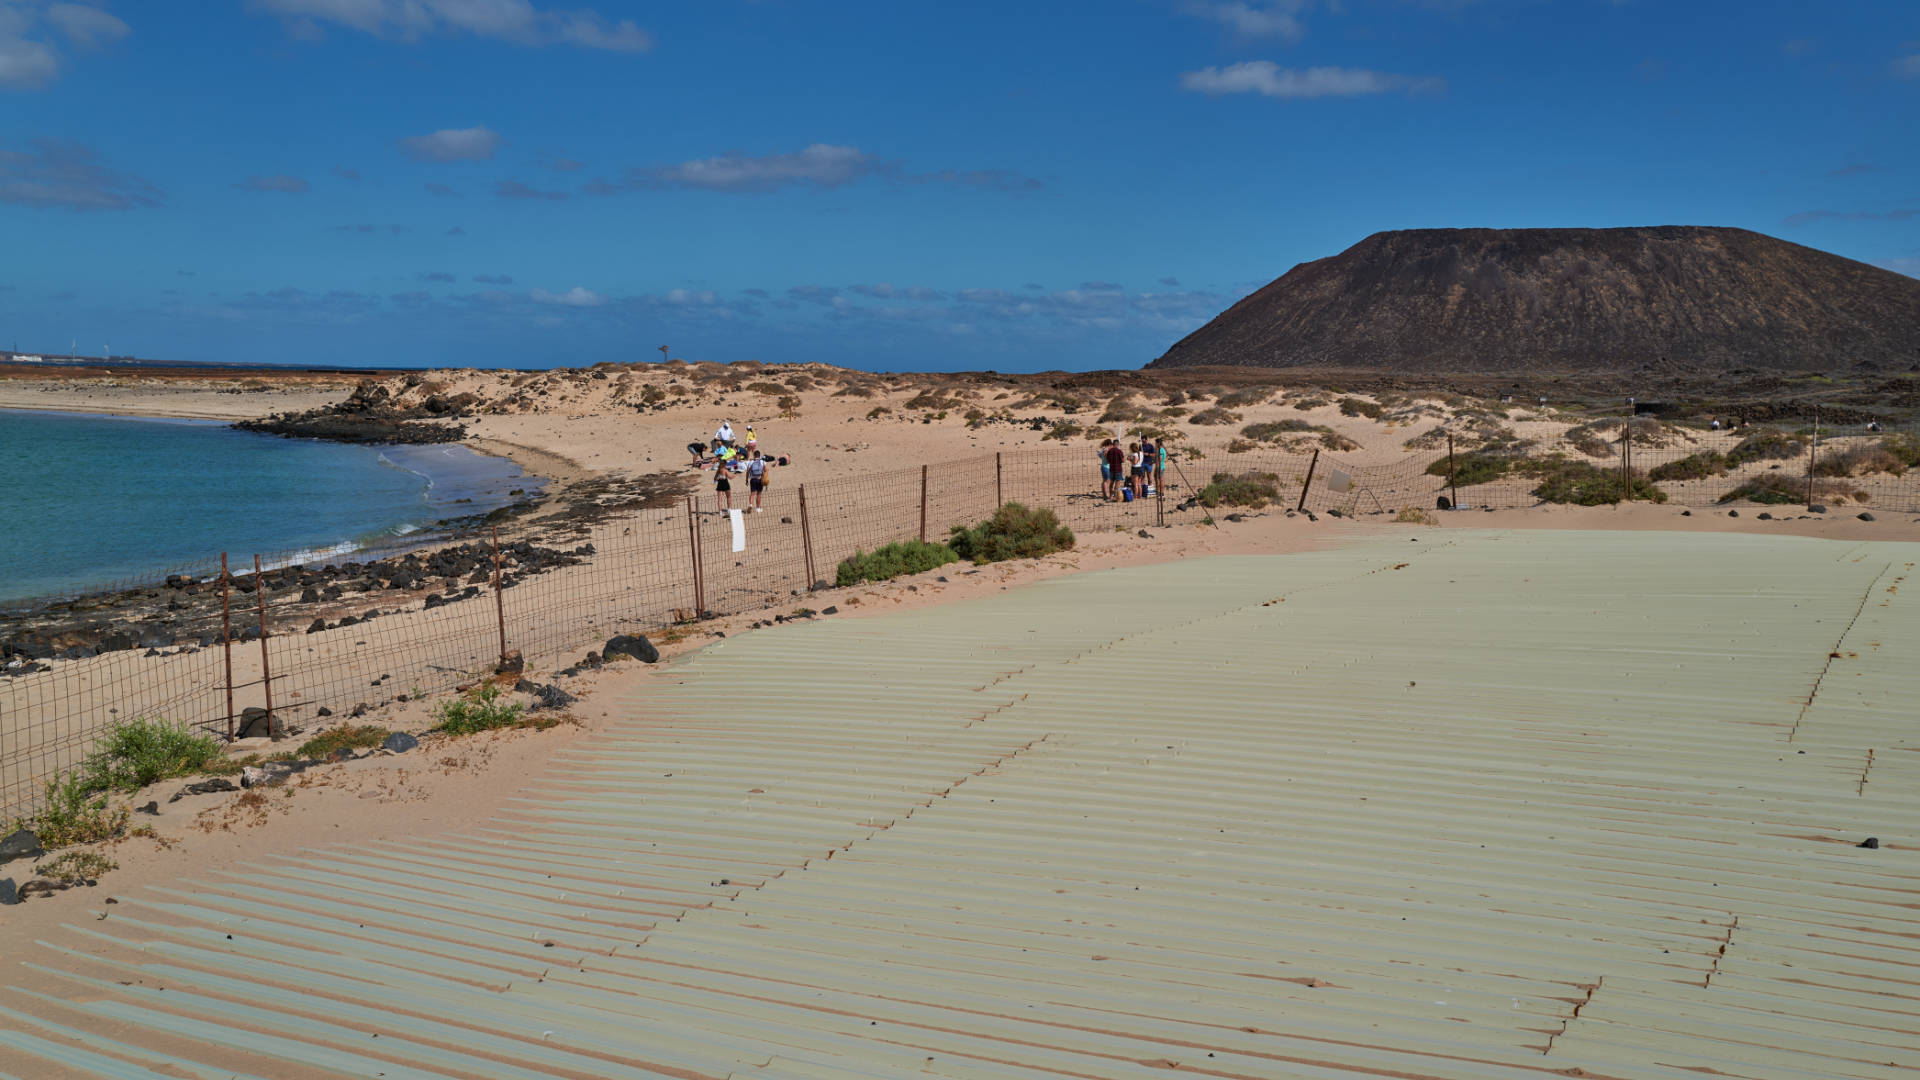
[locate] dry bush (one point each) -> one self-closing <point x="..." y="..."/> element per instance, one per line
<point x="1214" y="417"/>
<point x="1240" y="399"/>
<point x="770" y="389"/>
<point x="1860" y="459"/>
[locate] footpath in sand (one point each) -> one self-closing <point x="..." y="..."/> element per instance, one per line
<point x="1477" y="804"/>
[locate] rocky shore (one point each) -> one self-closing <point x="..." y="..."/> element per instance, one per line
<point x="373" y="413"/>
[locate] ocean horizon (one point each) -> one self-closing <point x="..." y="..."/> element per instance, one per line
<point x="89" y="501"/>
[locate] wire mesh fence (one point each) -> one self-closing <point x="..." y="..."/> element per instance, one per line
<point x="313" y="638"/>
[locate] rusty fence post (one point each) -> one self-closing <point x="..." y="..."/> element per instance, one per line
<point x="999" y="496"/>
<point x="693" y="544"/>
<point x="806" y="538"/>
<point x="1452" y="486"/>
<point x="226" y="635"/>
<point x="499" y="603"/>
<point x="1311" y="465"/>
<point x="923" y="504"/>
<point x="266" y="672"/>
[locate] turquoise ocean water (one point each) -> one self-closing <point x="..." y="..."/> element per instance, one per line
<point x="89" y="501"/>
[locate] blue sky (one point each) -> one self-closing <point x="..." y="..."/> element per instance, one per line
<point x="901" y="185"/>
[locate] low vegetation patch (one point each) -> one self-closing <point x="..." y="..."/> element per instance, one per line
<point x="1240" y="399"/>
<point x="1775" y="489"/>
<point x="1013" y="532"/>
<point x="1765" y="446"/>
<point x="1860" y="459"/>
<point x="77" y="815"/>
<point x="1274" y="429"/>
<point x="1062" y="430"/>
<point x="139" y="752"/>
<point x="1692" y="467"/>
<point x="480" y="709"/>
<point x="344" y="737"/>
<point x="771" y="389"/>
<point x="1214" y="416"/>
<point x="1353" y="406"/>
<point x="1413" y="515"/>
<point x="1249" y="489"/>
<point x="1581" y="484"/>
<point x="76" y="867"/>
<point x="1475" y="468"/>
<point x="894" y="560"/>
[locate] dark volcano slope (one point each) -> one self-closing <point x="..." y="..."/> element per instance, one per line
<point x="1600" y="300"/>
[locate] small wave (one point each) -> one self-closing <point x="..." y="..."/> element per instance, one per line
<point x="313" y="554"/>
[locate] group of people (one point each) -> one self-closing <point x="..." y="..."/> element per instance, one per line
<point x="1133" y="471"/>
<point x="733" y="457"/>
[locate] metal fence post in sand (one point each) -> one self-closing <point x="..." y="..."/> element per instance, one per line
<point x="1452" y="487"/>
<point x="999" y="498"/>
<point x="499" y="603"/>
<point x="923" y="504"/>
<point x="226" y="635"/>
<point x="266" y="672"/>
<point x="806" y="538"/>
<point x="693" y="544"/>
<point x="1311" y="465"/>
<point x="1813" y="447"/>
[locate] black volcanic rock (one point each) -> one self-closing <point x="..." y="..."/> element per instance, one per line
<point x="1490" y="300"/>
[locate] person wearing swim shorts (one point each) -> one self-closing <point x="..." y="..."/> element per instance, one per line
<point x="756" y="480"/>
<point x="722" y="488"/>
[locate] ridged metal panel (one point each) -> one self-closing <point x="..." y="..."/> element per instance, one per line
<point x="1475" y="805"/>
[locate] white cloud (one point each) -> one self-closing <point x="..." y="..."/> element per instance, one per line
<point x="86" y="26"/>
<point x="26" y="64"/>
<point x="574" y="297"/>
<point x="453" y="144"/>
<point x="70" y="177"/>
<point x="1907" y="67"/>
<point x="515" y="21"/>
<point x="819" y="165"/>
<point x="1256" y="20"/>
<point x="28" y="58"/>
<point x="1271" y="80"/>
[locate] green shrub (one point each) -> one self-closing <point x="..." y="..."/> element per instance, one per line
<point x="344" y="737"/>
<point x="1777" y="489"/>
<point x="1013" y="532"/>
<point x="1859" y="459"/>
<point x="1692" y="467"/>
<point x="1352" y="406"/>
<point x="771" y="389"/>
<point x="77" y="814"/>
<point x="1250" y="489"/>
<point x="1905" y="447"/>
<point x="890" y="561"/>
<point x="480" y="710"/>
<point x="1062" y="430"/>
<point x="1765" y="446"/>
<point x="1581" y="484"/>
<point x="1476" y="468"/>
<point x="75" y="867"/>
<point x="139" y="752"/>
<point x="1273" y="429"/>
<point x="1240" y="399"/>
<point x="1214" y="417"/>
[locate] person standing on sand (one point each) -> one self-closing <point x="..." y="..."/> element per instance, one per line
<point x="724" y="432"/>
<point x="1138" y="478"/>
<point x="1160" y="466"/>
<point x="1148" y="455"/>
<point x="722" y="488"/>
<point x="751" y="441"/>
<point x="1116" y="468"/>
<point x="1106" y="470"/>
<point x="756" y="480"/>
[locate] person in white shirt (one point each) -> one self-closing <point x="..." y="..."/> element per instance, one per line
<point x="725" y="432"/>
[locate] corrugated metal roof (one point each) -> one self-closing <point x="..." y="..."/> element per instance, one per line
<point x="1485" y="805"/>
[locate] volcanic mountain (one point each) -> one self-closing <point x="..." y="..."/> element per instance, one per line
<point x="1493" y="300"/>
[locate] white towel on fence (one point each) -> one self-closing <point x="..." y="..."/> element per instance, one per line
<point x="739" y="530"/>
